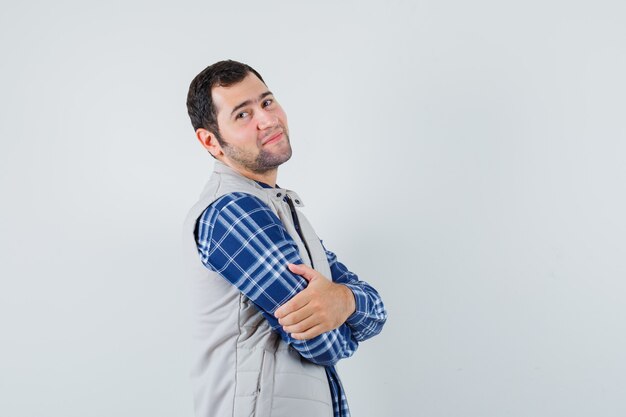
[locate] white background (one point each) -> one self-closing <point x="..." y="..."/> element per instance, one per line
<point x="465" y="158"/>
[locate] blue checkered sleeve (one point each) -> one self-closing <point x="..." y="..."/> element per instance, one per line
<point x="243" y="240"/>
<point x="370" y="314"/>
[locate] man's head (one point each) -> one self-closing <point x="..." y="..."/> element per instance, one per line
<point x="237" y="119"/>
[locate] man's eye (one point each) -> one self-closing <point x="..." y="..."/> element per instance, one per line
<point x="268" y="102"/>
<point x="242" y="115"/>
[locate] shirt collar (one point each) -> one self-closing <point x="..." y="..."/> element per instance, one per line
<point x="275" y="193"/>
<point x="264" y="185"/>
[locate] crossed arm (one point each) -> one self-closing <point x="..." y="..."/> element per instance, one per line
<point x="240" y="237"/>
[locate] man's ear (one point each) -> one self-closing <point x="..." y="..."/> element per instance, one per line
<point x="209" y="141"/>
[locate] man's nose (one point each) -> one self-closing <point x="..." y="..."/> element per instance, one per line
<point x="267" y="120"/>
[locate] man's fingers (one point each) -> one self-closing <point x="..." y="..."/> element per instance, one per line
<point x="302" y="298"/>
<point x="296" y="303"/>
<point x="309" y="334"/>
<point x="302" y="325"/>
<point x="296" y="316"/>
<point x="303" y="270"/>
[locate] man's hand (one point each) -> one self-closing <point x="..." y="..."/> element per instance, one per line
<point x="321" y="307"/>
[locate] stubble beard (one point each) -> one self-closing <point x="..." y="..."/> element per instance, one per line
<point x="264" y="162"/>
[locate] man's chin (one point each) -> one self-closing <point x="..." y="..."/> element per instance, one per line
<point x="271" y="161"/>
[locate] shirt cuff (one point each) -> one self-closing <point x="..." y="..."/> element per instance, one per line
<point x="360" y="303"/>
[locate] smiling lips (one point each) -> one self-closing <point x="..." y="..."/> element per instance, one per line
<point x="272" y="138"/>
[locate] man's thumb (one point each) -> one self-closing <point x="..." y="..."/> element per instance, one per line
<point x="303" y="270"/>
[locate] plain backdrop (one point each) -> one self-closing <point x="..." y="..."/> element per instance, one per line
<point x="465" y="158"/>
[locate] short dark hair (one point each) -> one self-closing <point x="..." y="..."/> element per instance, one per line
<point x="200" y="104"/>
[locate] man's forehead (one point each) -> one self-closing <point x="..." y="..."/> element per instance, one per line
<point x="248" y="89"/>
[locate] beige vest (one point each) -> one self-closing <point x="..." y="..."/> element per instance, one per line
<point x="242" y="368"/>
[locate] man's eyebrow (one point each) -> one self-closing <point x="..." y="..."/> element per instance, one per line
<point x="248" y="102"/>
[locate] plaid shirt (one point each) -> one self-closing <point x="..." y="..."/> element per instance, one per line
<point x="241" y="238"/>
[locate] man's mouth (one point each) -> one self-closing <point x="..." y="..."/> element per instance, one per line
<point x="273" y="137"/>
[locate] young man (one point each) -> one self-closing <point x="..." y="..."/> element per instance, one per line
<point x="274" y="310"/>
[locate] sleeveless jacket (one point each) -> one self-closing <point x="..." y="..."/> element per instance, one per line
<point x="242" y="368"/>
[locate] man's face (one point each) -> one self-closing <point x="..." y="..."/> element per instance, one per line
<point x="252" y="125"/>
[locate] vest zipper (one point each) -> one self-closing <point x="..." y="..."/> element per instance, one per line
<point x="339" y="393"/>
<point x="296" y="223"/>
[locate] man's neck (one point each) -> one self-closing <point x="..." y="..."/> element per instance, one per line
<point x="268" y="177"/>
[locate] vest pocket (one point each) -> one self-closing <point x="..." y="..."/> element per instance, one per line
<point x="265" y="387"/>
